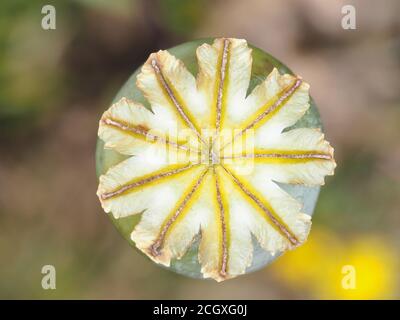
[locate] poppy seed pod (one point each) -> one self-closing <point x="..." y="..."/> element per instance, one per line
<point x="211" y="157"/>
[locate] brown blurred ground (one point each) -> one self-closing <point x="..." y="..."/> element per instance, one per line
<point x="55" y="84"/>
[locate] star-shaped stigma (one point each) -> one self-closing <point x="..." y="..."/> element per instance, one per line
<point x="206" y="158"/>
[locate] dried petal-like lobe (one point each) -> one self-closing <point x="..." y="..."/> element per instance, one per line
<point x="185" y="185"/>
<point x="225" y="247"/>
<point x="298" y="156"/>
<point x="224" y="76"/>
<point x="171" y="90"/>
<point x="275" y="104"/>
<point x="128" y="127"/>
<point x="172" y="217"/>
<point x="302" y="156"/>
<point x="133" y="185"/>
<point x="273" y="216"/>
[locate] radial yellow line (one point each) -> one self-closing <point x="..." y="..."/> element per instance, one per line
<point x="224" y="224"/>
<point x="280" y="226"/>
<point x="269" y="108"/>
<point x="143" y="133"/>
<point x="148" y="179"/>
<point x="177" y="212"/>
<point x="222" y="70"/>
<point x="284" y="156"/>
<point x="173" y="96"/>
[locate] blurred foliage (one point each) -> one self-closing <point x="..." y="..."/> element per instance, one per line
<point x="30" y="69"/>
<point x="183" y="17"/>
<point x="55" y="84"/>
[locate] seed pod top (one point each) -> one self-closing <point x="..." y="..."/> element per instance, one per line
<point x="204" y="161"/>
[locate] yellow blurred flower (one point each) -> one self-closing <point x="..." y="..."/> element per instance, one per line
<point x="330" y="268"/>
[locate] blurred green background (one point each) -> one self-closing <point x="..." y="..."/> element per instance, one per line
<point x="54" y="85"/>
